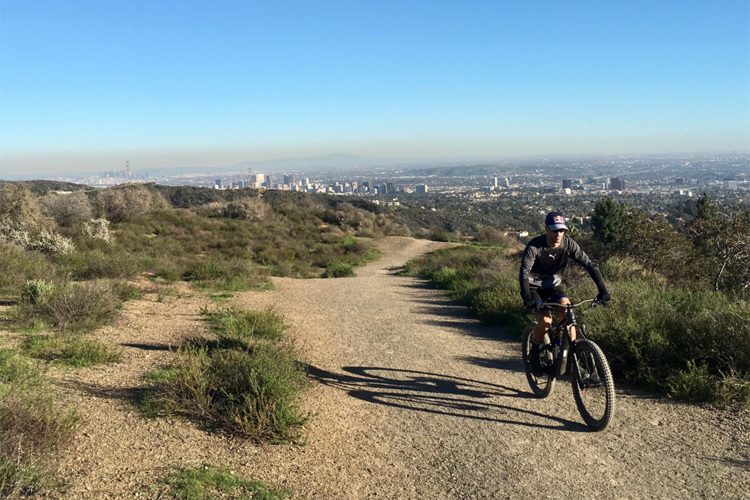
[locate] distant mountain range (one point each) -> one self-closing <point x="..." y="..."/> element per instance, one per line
<point x="333" y="161"/>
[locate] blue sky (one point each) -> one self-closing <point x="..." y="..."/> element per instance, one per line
<point x="87" y="85"/>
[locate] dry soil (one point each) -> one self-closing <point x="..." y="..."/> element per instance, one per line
<point x="411" y="398"/>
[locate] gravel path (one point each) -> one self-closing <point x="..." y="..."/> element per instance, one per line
<point x="411" y="398"/>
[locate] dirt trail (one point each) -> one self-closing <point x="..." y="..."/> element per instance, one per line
<point x="412" y="399"/>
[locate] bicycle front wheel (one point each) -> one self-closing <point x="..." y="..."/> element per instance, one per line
<point x="593" y="386"/>
<point x="541" y="383"/>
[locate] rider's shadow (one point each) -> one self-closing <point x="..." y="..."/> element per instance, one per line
<point x="438" y="394"/>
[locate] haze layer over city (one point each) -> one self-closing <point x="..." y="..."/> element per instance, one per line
<point x="87" y="86"/>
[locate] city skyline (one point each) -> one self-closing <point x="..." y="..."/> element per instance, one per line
<point x="86" y="86"/>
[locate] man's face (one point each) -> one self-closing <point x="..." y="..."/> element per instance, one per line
<point x="554" y="238"/>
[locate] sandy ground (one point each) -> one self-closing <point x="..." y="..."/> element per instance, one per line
<point x="411" y="399"/>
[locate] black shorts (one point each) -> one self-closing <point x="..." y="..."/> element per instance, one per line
<point x="548" y="294"/>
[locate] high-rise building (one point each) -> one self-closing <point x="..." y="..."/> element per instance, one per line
<point x="616" y="184"/>
<point x="567" y="183"/>
<point x="422" y="188"/>
<point x="257" y="180"/>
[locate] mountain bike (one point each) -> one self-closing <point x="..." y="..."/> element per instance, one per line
<point x="581" y="359"/>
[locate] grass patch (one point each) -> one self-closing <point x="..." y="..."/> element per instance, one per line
<point x="339" y="270"/>
<point x="241" y="326"/>
<point x="73" y="351"/>
<point x="229" y="275"/>
<point x="34" y="430"/>
<point x="74" y="307"/>
<point x="694" y="346"/>
<point x="207" y="483"/>
<point x="254" y="393"/>
<point x="163" y="293"/>
<point x="478" y="277"/>
<point x="221" y="296"/>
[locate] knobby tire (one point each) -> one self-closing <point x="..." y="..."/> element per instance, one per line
<point x="542" y="385"/>
<point x="594" y="394"/>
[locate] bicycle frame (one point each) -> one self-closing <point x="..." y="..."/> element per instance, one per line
<point x="566" y="346"/>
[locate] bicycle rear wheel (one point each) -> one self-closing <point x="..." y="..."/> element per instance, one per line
<point x="541" y="384"/>
<point x="593" y="387"/>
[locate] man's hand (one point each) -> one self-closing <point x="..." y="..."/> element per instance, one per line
<point x="532" y="305"/>
<point x="603" y="297"/>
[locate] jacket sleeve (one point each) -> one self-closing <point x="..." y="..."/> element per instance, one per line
<point x="527" y="262"/>
<point x="581" y="258"/>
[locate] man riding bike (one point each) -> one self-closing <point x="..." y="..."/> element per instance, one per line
<point x="542" y="268"/>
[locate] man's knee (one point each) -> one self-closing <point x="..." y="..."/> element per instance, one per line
<point x="544" y="320"/>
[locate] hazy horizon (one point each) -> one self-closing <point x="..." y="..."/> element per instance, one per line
<point x="86" y="85"/>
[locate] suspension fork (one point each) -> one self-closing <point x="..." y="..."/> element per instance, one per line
<point x="562" y="355"/>
<point x="567" y="348"/>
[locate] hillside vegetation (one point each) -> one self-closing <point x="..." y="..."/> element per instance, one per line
<point x="72" y="255"/>
<point x="679" y="321"/>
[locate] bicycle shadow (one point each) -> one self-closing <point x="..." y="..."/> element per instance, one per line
<point x="437" y="394"/>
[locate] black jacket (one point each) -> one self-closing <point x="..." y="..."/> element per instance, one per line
<point x="543" y="266"/>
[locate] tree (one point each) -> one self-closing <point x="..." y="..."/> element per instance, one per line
<point x="705" y="209"/>
<point x="19" y="208"/>
<point x="123" y="203"/>
<point x="659" y="247"/>
<point x="608" y="221"/>
<point x="67" y="209"/>
<point x="722" y="234"/>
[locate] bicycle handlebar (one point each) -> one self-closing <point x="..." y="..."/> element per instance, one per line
<point x="568" y="306"/>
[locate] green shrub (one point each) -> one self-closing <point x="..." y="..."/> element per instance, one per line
<point x="495" y="237"/>
<point x="499" y="304"/>
<point x="108" y="261"/>
<point x="124" y="291"/>
<point x="338" y="270"/>
<point x="241" y="326"/>
<point x="19" y="480"/>
<point x="37" y="291"/>
<point x="207" y="483"/>
<point x="250" y="392"/>
<point x="692" y="345"/>
<point x="17" y="370"/>
<point x="163" y="292"/>
<point x="72" y="308"/>
<point x="439" y="235"/>
<point x="234" y="275"/>
<point x="17" y="266"/>
<point x="76" y="352"/>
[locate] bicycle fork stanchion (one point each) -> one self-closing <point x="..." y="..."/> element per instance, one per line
<point x="567" y="346"/>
